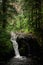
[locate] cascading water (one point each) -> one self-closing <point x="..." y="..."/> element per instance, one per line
<point x="17" y="59"/>
<point x="15" y="45"/>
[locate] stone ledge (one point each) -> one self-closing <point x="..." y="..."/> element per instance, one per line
<point x="15" y="61"/>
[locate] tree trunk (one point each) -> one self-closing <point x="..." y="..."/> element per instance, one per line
<point x="4" y="9"/>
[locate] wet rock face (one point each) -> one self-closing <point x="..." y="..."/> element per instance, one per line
<point x="28" y="46"/>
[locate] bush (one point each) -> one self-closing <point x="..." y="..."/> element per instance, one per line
<point x="5" y="45"/>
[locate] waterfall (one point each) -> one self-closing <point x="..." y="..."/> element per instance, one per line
<point x="15" y="45"/>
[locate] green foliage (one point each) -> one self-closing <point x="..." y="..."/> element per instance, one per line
<point x="29" y="20"/>
<point x="5" y="40"/>
<point x="5" y="45"/>
<point x="18" y="23"/>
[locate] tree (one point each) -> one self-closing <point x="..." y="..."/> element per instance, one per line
<point x="4" y="14"/>
<point x="37" y="13"/>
